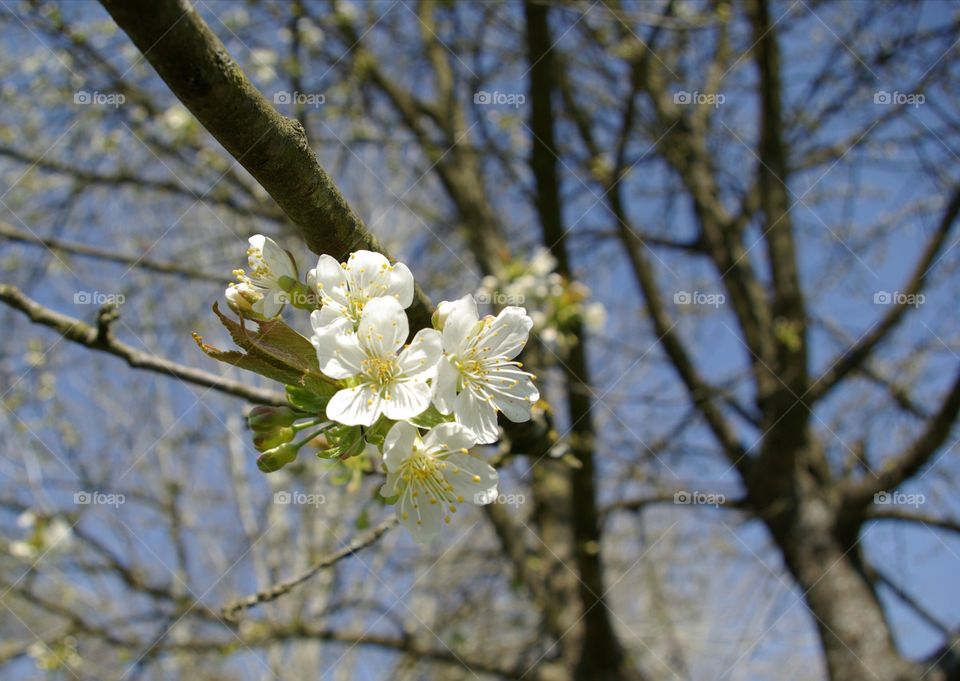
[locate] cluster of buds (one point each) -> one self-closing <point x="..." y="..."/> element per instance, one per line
<point x="559" y="304"/>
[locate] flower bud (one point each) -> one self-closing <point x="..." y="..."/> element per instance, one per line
<point x="441" y="313"/>
<point x="278" y="457"/>
<point x="273" y="438"/>
<point x="242" y="297"/>
<point x="263" y="418"/>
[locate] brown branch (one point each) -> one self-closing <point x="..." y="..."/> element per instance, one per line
<point x="601" y="654"/>
<point x="232" y="609"/>
<point x="854" y="356"/>
<point x="897" y="514"/>
<point x="196" y="66"/>
<point x="12" y="233"/>
<point x="98" y="338"/>
<point x="858" y="494"/>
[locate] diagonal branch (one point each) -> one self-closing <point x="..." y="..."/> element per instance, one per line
<point x="13" y="234"/>
<point x="231" y="610"/>
<point x="854" y="356"/>
<point x="98" y="338"/>
<point x="196" y="66"/>
<point x="898" y="469"/>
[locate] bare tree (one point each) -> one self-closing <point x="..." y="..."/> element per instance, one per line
<point x="763" y="195"/>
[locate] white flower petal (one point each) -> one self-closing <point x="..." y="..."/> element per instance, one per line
<point x="401" y="284"/>
<point x="270" y="304"/>
<point x="422" y="355"/>
<point x="369" y="275"/>
<point x="513" y="393"/>
<point x="398" y="445"/>
<point x="461" y="317"/>
<point x="339" y="355"/>
<point x="476" y="480"/>
<point x="330" y="317"/>
<point x="450" y="436"/>
<point x="359" y="406"/>
<point x="445" y="386"/>
<point x="421" y="518"/>
<point x="383" y="327"/>
<point x="331" y="280"/>
<point x="508" y="333"/>
<point x="478" y="415"/>
<point x="407" y="399"/>
<point x="277" y="259"/>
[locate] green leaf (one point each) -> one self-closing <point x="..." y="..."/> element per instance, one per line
<point x="273" y="350"/>
<point x="430" y="418"/>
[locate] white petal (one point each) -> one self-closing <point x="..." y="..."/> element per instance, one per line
<point x="398" y="445"/>
<point x="515" y="393"/>
<point x="389" y="486"/>
<point x="330" y="317"/>
<point x="339" y="354"/>
<point x="422" y="355"/>
<point x="275" y="258"/>
<point x="359" y="406"/>
<point x="369" y="274"/>
<point x="476" y="480"/>
<point x="331" y="279"/>
<point x="445" y="386"/>
<point x="270" y="304"/>
<point x="461" y="318"/>
<point x="508" y="333"/>
<point x="419" y="516"/>
<point x="451" y="436"/>
<point x="478" y="415"/>
<point x="383" y="327"/>
<point x="407" y="399"/>
<point x="401" y="284"/>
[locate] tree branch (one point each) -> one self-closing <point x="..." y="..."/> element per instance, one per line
<point x="98" y="338"/>
<point x="196" y="66"/>
<point x="10" y="232"/>
<point x="231" y="610"/>
<point x="858" y="494"/>
<point x="854" y="356"/>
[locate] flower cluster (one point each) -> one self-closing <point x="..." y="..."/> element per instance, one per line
<point x="558" y="302"/>
<point x="361" y="386"/>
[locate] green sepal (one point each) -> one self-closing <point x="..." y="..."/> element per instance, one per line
<point x="307" y="401"/>
<point x="274" y="459"/>
<point x="263" y="418"/>
<point x="273" y="438"/>
<point x="377" y="433"/>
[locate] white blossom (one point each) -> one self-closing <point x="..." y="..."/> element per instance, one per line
<point x="432" y="475"/>
<point x="385" y="380"/>
<point x="272" y="273"/>
<point x="478" y="376"/>
<point x="344" y="289"/>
